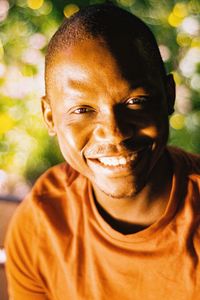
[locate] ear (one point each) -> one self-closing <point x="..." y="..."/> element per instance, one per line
<point x="171" y="93"/>
<point x="47" y="114"/>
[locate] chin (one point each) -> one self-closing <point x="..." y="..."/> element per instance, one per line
<point x="123" y="191"/>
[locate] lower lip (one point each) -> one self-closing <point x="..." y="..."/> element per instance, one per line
<point x="119" y="170"/>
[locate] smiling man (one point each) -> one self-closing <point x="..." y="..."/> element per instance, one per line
<point x="119" y="219"/>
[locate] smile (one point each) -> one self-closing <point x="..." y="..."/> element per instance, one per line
<point x="117" y="161"/>
<point x="119" y="165"/>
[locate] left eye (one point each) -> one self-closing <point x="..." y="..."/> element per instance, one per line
<point x="136" y="102"/>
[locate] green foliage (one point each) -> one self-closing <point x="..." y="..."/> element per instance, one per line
<point x="25" y="29"/>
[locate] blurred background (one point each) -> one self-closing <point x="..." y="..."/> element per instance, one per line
<point x="25" y="29"/>
<point x="26" y="26"/>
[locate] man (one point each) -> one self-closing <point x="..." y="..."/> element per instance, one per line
<point x="120" y="219"/>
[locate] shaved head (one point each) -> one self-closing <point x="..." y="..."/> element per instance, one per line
<point x="107" y="94"/>
<point x="120" y="30"/>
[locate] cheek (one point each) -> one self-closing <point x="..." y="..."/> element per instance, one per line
<point x="150" y="131"/>
<point x="156" y="124"/>
<point x="72" y="140"/>
<point x="73" y="137"/>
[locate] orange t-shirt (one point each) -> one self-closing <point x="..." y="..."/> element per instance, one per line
<point x="60" y="248"/>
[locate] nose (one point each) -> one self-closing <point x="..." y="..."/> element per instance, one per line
<point x="113" y="130"/>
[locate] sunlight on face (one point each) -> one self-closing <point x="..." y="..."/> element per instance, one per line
<point x="110" y="128"/>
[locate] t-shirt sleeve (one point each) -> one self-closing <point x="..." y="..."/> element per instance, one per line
<point x="22" y="251"/>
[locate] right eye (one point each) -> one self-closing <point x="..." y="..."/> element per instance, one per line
<point x="82" y="110"/>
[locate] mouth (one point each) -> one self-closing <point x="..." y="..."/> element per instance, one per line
<point x="113" y="164"/>
<point x="117" y="161"/>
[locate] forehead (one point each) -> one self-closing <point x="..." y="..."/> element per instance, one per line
<point x="93" y="62"/>
<point x="83" y="59"/>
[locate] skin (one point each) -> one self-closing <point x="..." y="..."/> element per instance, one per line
<point x="98" y="111"/>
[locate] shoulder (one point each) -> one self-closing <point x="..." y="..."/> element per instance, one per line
<point x="47" y="196"/>
<point x="55" y="195"/>
<point x="47" y="216"/>
<point x="55" y="180"/>
<point x="30" y="227"/>
<point x="186" y="179"/>
<point x="188" y="163"/>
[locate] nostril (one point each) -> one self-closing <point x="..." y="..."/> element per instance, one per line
<point x="99" y="132"/>
<point x="110" y="133"/>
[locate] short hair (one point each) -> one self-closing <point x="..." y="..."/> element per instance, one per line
<point x="108" y="22"/>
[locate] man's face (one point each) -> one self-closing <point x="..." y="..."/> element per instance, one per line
<point x="112" y="128"/>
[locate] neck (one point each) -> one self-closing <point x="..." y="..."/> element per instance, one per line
<point x="142" y="209"/>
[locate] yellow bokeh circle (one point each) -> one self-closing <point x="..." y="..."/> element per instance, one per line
<point x="70" y="9"/>
<point x="177" y="77"/>
<point x="6" y="123"/>
<point x="174" y="20"/>
<point x="177" y="121"/>
<point x="35" y="4"/>
<point x="183" y="39"/>
<point x="196" y="42"/>
<point x="180" y="10"/>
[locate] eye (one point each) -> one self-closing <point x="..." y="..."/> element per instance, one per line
<point x="82" y="110"/>
<point x="137" y="102"/>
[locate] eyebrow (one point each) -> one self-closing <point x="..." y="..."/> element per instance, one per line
<point x="142" y="84"/>
<point x="80" y="84"/>
<point x="75" y="88"/>
<point x="74" y="83"/>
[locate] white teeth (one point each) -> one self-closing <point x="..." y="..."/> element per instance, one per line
<point x="122" y="161"/>
<point x="111" y="161"/>
<point x="116" y="161"/>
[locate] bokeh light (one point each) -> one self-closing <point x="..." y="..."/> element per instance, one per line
<point x="189" y="62"/>
<point x="2" y="70"/>
<point x="183" y="39"/>
<point x="26" y="27"/>
<point x="165" y="52"/>
<point x="196" y="42"/>
<point x="70" y="9"/>
<point x="195" y="82"/>
<point x="177" y="77"/>
<point x="177" y="15"/>
<point x="4" y="8"/>
<point x="1" y="49"/>
<point x="174" y="20"/>
<point x="46" y="8"/>
<point x="35" y="4"/>
<point x="191" y="25"/>
<point x="180" y="10"/>
<point x="177" y="121"/>
<point x="6" y="123"/>
<point x="183" y="99"/>
<point x="37" y="41"/>
<point x="126" y="3"/>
